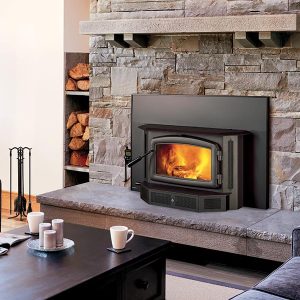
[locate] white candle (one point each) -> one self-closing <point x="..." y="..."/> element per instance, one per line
<point x="58" y="225"/>
<point x="49" y="239"/>
<point x="42" y="228"/>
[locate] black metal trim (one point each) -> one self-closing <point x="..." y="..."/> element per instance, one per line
<point x="196" y="141"/>
<point x="230" y="164"/>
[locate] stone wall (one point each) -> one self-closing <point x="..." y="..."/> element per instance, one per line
<point x="207" y="64"/>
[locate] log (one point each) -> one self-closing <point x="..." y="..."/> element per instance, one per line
<point x="71" y="85"/>
<point x="83" y="118"/>
<point x="72" y="120"/>
<point x="80" y="71"/>
<point x="86" y="135"/>
<point x="87" y="162"/>
<point x="83" y="85"/>
<point x="78" y="158"/>
<point x="77" y="130"/>
<point x="77" y="144"/>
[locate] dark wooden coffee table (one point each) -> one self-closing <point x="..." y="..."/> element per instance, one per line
<point x="88" y="268"/>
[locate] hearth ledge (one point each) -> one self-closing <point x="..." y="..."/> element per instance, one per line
<point x="121" y="202"/>
<point x="247" y="231"/>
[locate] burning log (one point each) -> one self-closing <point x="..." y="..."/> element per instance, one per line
<point x="80" y="71"/>
<point x="87" y="162"/>
<point x="78" y="158"/>
<point x="77" y="130"/>
<point x="83" y="118"/>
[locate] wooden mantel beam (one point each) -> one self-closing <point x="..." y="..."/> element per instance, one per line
<point x="218" y="24"/>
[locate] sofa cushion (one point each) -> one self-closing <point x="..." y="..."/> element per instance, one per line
<point x="256" y="295"/>
<point x="284" y="282"/>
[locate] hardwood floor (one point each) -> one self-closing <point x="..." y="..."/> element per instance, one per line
<point x="222" y="273"/>
<point x="9" y="224"/>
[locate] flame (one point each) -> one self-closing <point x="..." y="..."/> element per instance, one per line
<point x="184" y="161"/>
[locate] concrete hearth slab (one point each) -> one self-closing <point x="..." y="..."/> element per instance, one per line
<point x="121" y="202"/>
<point x="276" y="228"/>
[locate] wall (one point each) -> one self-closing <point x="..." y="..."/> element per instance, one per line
<point x="207" y="64"/>
<point x="31" y="81"/>
<point x="75" y="11"/>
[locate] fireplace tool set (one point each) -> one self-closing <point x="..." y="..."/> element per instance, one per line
<point x="20" y="201"/>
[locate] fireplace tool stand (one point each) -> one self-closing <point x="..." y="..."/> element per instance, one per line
<point x="20" y="201"/>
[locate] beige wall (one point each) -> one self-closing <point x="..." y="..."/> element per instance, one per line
<point x="75" y="11"/>
<point x="32" y="84"/>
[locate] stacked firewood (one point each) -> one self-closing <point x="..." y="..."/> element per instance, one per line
<point x="77" y="125"/>
<point x="78" y="78"/>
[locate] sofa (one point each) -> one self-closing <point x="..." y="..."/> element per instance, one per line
<point x="283" y="283"/>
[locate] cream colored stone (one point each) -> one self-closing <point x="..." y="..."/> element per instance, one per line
<point x="109" y="150"/>
<point x="241" y="7"/>
<point x="277" y="65"/>
<point x="185" y="44"/>
<point x="255" y="81"/>
<point x="284" y="166"/>
<point x="147" y="5"/>
<point x="121" y="123"/>
<point x="104" y="6"/>
<point x="286" y="102"/>
<point x="282" y="134"/>
<point x="137" y="15"/>
<point x="215" y="43"/>
<point x="199" y="62"/>
<point x="294" y="81"/>
<point x="205" y="8"/>
<point x="242" y="69"/>
<point x="124" y="81"/>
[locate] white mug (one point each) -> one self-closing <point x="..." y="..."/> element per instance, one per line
<point x="34" y="219"/>
<point x="119" y="235"/>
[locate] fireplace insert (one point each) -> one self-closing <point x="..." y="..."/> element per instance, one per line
<point x="186" y="161"/>
<point x="198" y="160"/>
<point x="196" y="167"/>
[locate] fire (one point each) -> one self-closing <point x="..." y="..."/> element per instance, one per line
<point x="184" y="161"/>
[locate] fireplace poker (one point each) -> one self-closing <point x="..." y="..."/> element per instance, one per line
<point x="129" y="162"/>
<point x="135" y="161"/>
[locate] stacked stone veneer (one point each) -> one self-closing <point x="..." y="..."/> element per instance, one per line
<point x="206" y="64"/>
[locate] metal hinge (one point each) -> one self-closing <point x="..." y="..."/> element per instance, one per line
<point x="219" y="179"/>
<point x="219" y="155"/>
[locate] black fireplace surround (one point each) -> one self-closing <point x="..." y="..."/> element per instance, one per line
<point x="206" y="153"/>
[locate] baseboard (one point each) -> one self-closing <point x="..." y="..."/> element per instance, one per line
<point x="6" y="200"/>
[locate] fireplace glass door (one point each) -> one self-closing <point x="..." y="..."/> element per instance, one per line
<point x="185" y="160"/>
